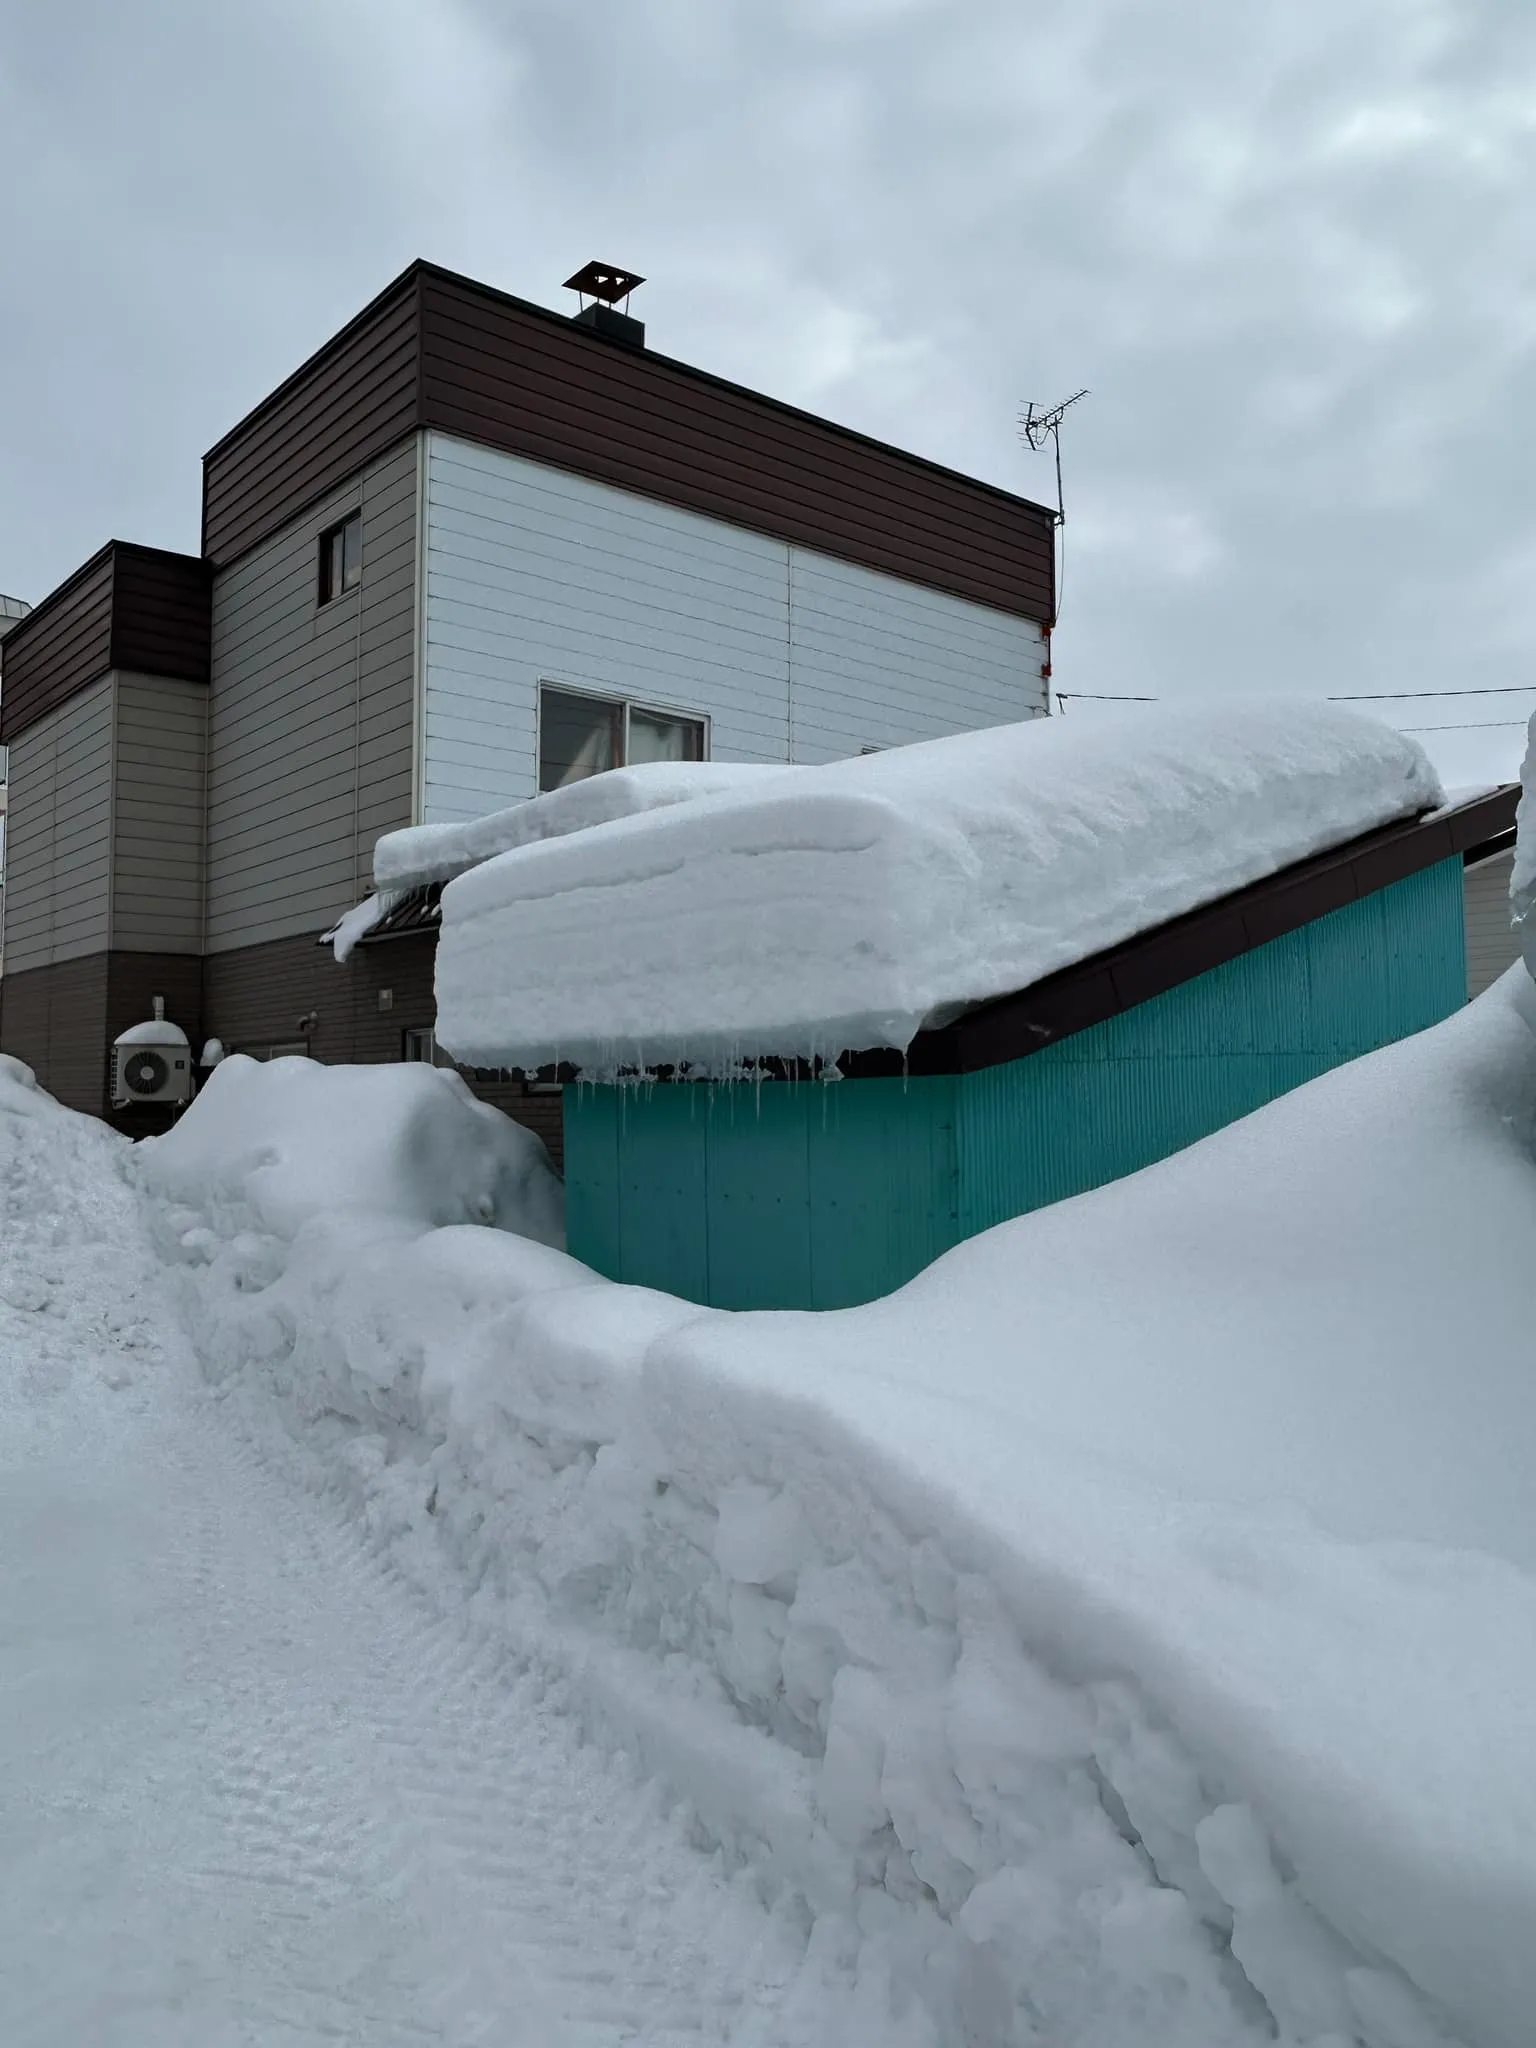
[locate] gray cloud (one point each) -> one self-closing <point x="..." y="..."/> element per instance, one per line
<point x="1288" y="249"/>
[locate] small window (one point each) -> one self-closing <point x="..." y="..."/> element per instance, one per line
<point x="655" y="736"/>
<point x="422" y="1045"/>
<point x="581" y="736"/>
<point x="578" y="737"/>
<point x="341" y="558"/>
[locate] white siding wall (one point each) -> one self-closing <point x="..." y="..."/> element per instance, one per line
<point x="1491" y="945"/>
<point x="533" y="574"/>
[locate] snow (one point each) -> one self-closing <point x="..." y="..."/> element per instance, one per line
<point x="288" y="1139"/>
<point x="940" y="874"/>
<point x="1522" y="880"/>
<point x="436" y="853"/>
<point x="254" y="1790"/>
<point x="360" y="920"/>
<point x="153" y="1031"/>
<point x="1125" y="1634"/>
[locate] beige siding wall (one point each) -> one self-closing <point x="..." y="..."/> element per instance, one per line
<point x="59" y="834"/>
<point x="311" y="717"/>
<point x="157" y="865"/>
<point x="1491" y="945"/>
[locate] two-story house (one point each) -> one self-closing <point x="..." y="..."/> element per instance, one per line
<point x="472" y="548"/>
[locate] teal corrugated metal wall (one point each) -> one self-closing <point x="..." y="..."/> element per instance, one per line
<point x="810" y="1196"/>
<point x="783" y="1196"/>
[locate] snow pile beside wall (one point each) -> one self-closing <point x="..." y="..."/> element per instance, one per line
<point x="1124" y="1637"/>
<point x="287" y="1140"/>
<point x="1522" y="880"/>
<point x="836" y="908"/>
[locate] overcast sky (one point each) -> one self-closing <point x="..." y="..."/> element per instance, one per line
<point x="1290" y="246"/>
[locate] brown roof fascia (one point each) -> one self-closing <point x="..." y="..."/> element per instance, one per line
<point x="589" y="337"/>
<point x="1092" y="991"/>
<point x="45" y="606"/>
<point x="407" y="281"/>
<point x="116" y="549"/>
<point x="419" y="276"/>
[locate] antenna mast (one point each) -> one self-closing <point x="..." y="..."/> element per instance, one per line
<point x="1041" y="423"/>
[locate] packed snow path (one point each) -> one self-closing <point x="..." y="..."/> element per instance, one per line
<point x="251" y="1790"/>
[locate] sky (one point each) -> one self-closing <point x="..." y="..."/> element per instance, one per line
<point x="1289" y="248"/>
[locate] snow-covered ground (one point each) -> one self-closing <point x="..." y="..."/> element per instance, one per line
<point x="1123" y="1637"/>
<point x="255" y="1789"/>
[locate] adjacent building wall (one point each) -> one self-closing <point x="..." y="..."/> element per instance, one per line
<point x="536" y="575"/>
<point x="59" y="834"/>
<point x="1492" y="944"/>
<point x="310" y="716"/>
<point x="159" y="775"/>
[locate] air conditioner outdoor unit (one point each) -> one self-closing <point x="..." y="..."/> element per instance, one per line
<point x="151" y="1063"/>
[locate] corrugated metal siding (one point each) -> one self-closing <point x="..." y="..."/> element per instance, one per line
<point x="1492" y="945"/>
<point x="783" y="1196"/>
<point x="158" y="815"/>
<point x="534" y="574"/>
<point x="818" y="1197"/>
<point x="311" y="717"/>
<point x="1121" y="1094"/>
<point x="59" y="834"/>
<point x="876" y="662"/>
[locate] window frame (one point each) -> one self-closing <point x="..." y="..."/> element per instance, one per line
<point x="647" y="708"/>
<point x="325" y="594"/>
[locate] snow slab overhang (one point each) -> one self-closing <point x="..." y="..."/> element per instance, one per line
<point x="1092" y="991"/>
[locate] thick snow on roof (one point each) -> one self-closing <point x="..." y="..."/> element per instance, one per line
<point x="436" y="853"/>
<point x="818" y="910"/>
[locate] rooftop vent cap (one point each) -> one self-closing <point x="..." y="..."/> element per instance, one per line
<point x="604" y="284"/>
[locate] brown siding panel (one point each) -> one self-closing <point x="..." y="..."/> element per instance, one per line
<point x="329" y="420"/>
<point x="440" y="351"/>
<point x="24" y="1019"/>
<point x="63" y="645"/>
<point x="128" y="607"/>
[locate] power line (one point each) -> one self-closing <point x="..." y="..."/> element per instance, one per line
<point x="1395" y="696"/>
<point x="1474" y="725"/>
<point x="1103" y="697"/>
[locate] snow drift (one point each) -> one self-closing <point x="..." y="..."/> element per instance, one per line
<point x="287" y="1140"/>
<point x="940" y="874"/>
<point x="1123" y="1637"/>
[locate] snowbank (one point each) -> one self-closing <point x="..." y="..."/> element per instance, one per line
<point x="824" y="909"/>
<point x="287" y="1140"/>
<point x="1123" y="1637"/>
<point x="1522" y="880"/>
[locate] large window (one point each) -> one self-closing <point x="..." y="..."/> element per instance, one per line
<point x="341" y="558"/>
<point x="580" y="735"/>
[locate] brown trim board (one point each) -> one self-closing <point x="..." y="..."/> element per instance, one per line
<point x="437" y="350"/>
<point x="1010" y="1027"/>
<point x="129" y="607"/>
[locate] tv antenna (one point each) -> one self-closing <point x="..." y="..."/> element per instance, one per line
<point x="1041" y="423"/>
